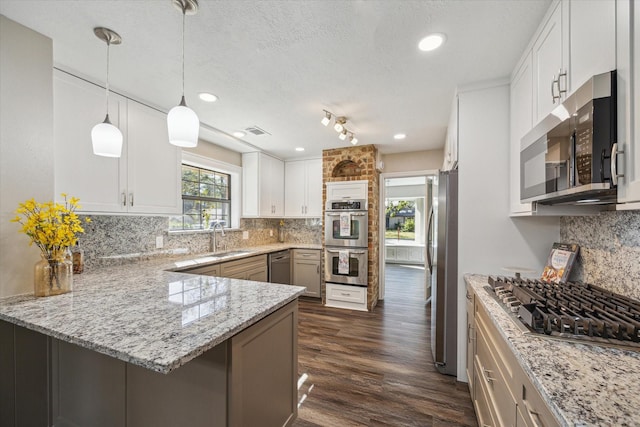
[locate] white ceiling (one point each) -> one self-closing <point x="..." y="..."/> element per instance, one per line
<point x="278" y="64"/>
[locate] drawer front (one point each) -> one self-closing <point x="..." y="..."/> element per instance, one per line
<point x="481" y="403"/>
<point x="306" y="254"/>
<point x="233" y="268"/>
<point x="491" y="372"/>
<point x="533" y="409"/>
<point x="353" y="294"/>
<point x="207" y="270"/>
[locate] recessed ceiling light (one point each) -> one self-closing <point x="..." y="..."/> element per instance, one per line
<point x="208" y="97"/>
<point x="299" y="149"/>
<point x="431" y="42"/>
<point x="399" y="136"/>
<point x="239" y="134"/>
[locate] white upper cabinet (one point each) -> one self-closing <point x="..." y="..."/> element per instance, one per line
<point x="549" y="73"/>
<point x="145" y="179"/>
<point x="592" y="39"/>
<point x="521" y="121"/>
<point x="97" y="181"/>
<point x="262" y="186"/>
<point x="628" y="67"/>
<point x="154" y="165"/>
<point x="303" y="188"/>
<point x="575" y="40"/>
<point x="347" y="190"/>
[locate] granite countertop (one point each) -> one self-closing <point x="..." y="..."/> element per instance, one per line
<point x="583" y="384"/>
<point x="147" y="315"/>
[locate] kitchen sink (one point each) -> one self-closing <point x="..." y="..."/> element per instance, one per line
<point x="225" y="254"/>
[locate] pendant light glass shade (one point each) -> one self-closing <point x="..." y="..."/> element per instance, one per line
<point x="183" y="126"/>
<point x="106" y="139"/>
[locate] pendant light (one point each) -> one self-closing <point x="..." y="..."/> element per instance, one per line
<point x="182" y="122"/>
<point x="105" y="137"/>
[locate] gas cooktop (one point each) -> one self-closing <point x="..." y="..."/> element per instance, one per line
<point x="571" y="311"/>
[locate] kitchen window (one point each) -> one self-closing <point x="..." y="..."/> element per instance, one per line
<point x="207" y="196"/>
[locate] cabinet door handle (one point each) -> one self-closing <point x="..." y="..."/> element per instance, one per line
<point x="487" y="375"/>
<point x="124" y="199"/>
<point x="131" y="199"/>
<point x="560" y="75"/>
<point x="614" y="164"/>
<point x="555" y="82"/>
<point x="302" y="209"/>
<point x="318" y="269"/>
<point x="469" y="333"/>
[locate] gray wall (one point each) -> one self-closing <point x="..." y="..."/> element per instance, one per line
<point x="413" y="161"/>
<point x="609" y="250"/>
<point x="26" y="144"/>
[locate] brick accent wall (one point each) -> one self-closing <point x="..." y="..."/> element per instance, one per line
<point x="353" y="164"/>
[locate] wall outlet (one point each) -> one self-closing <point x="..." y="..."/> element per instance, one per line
<point x="159" y="242"/>
<point x="270" y="233"/>
<point x="245" y="235"/>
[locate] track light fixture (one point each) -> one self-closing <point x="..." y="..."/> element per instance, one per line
<point x="326" y="119"/>
<point x="339" y="126"/>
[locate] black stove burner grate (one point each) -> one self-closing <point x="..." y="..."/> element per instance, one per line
<point x="571" y="310"/>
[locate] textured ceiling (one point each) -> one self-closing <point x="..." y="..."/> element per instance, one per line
<point x="278" y="64"/>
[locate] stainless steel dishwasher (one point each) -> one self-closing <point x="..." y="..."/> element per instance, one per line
<point x="280" y="267"/>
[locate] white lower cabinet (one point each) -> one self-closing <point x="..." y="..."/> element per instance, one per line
<point x="502" y="393"/>
<point x="145" y="179"/>
<point x="344" y="296"/>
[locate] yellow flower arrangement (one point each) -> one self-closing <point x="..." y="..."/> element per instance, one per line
<point x="51" y="226"/>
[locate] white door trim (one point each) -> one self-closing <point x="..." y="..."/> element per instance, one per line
<point x="381" y="220"/>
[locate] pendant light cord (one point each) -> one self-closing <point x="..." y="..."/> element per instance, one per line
<point x="183" y="16"/>
<point x="107" y="85"/>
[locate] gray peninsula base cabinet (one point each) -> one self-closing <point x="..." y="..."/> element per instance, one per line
<point x="247" y="380"/>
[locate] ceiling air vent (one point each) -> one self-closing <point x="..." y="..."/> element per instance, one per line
<point x="257" y="130"/>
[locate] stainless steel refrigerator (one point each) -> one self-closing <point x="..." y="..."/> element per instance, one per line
<point x="443" y="261"/>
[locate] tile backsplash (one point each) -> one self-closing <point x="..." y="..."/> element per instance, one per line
<point x="115" y="239"/>
<point x="609" y="250"/>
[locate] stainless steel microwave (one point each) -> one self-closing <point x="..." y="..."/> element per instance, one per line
<point x="567" y="158"/>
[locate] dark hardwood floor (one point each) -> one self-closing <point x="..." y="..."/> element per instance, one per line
<point x="376" y="369"/>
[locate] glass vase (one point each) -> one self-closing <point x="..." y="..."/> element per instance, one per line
<point x="52" y="277"/>
<point x="280" y="234"/>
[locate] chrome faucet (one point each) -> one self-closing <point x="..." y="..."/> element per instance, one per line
<point x="214" y="247"/>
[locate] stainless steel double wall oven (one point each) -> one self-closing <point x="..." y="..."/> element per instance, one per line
<point x="346" y="242"/>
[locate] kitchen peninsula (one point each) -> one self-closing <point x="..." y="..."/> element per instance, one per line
<point x="139" y="345"/>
